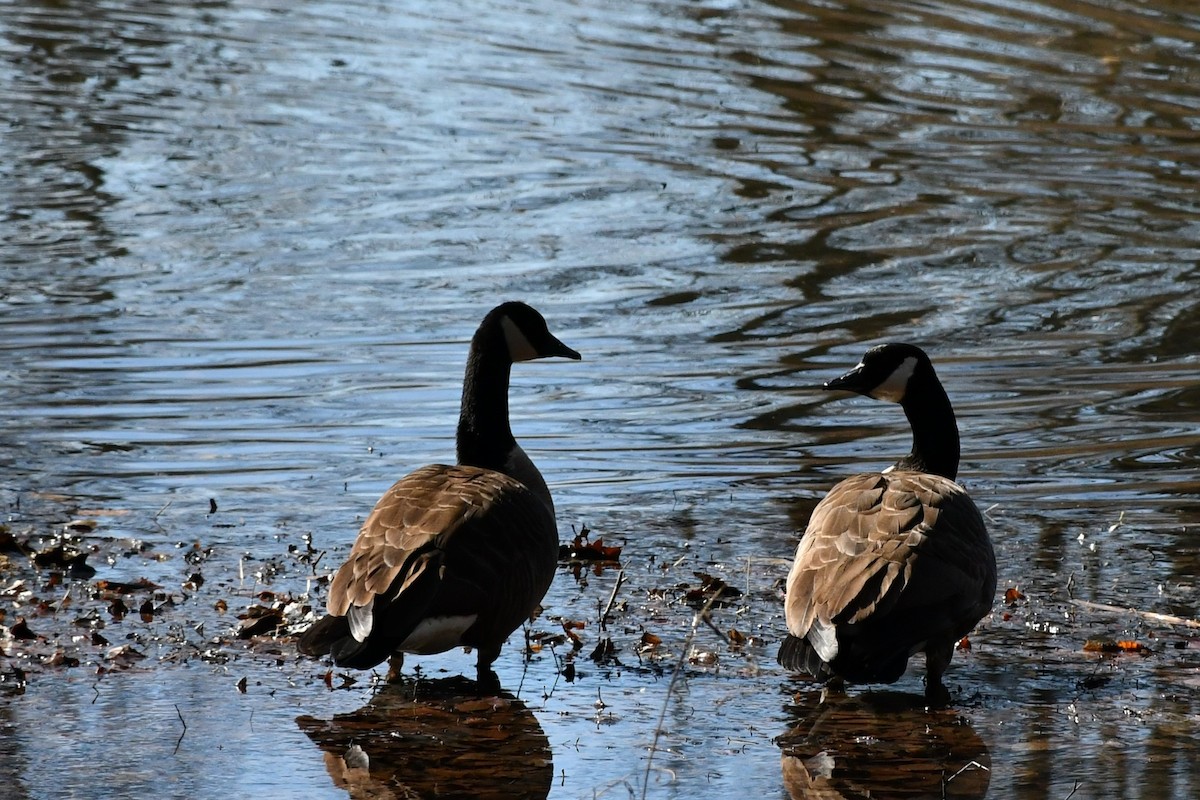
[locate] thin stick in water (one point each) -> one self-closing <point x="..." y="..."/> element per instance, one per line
<point x="1168" y="619"/>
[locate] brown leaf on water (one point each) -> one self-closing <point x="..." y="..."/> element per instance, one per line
<point x="118" y="609"/>
<point x="241" y="685"/>
<point x="259" y="621"/>
<point x="605" y="651"/>
<point x="580" y="549"/>
<point x="124" y="656"/>
<point x="736" y="637"/>
<point x="712" y="587"/>
<point x="1012" y="595"/>
<point x="221" y="606"/>
<point x="1112" y="646"/>
<point x="963" y="644"/>
<point x="60" y="659"/>
<point x="71" y="560"/>
<point x="119" y="587"/>
<point x="648" y="642"/>
<point x="146" y="611"/>
<point x="21" y="631"/>
<point x="569" y="627"/>
<point x="82" y="525"/>
<point x="9" y="544"/>
<point x="98" y="640"/>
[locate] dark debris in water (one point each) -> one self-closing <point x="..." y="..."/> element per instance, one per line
<point x="67" y="618"/>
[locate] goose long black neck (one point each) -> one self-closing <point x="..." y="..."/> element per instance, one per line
<point x="484" y="436"/>
<point x="935" y="446"/>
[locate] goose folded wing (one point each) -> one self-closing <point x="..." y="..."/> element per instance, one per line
<point x="437" y="525"/>
<point x="866" y="538"/>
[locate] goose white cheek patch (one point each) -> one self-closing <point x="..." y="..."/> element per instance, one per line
<point x="519" y="348"/>
<point x="894" y="387"/>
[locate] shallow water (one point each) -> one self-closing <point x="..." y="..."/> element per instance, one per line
<point x="245" y="244"/>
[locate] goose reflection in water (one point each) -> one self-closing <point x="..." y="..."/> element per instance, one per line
<point x="881" y="745"/>
<point x="424" y="738"/>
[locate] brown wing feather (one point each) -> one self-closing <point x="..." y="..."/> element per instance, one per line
<point x="862" y="544"/>
<point x="422" y="510"/>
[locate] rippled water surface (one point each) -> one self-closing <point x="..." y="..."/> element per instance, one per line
<point x="244" y="245"/>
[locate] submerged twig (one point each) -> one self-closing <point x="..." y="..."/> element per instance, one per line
<point x="662" y="715"/>
<point x="1169" y="619"/>
<point x="967" y="766"/>
<point x="184" y="722"/>
<point x="611" y="598"/>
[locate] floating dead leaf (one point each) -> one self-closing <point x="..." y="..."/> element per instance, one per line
<point x="605" y="651"/>
<point x="1012" y="595"/>
<point x="146" y="611"/>
<point x="60" y="659"/>
<point x="123" y="656"/>
<point x="98" y="640"/>
<point x="21" y="631"/>
<point x="580" y="549"/>
<point x="9" y="544"/>
<point x="1114" y="646"/>
<point x="71" y="560"/>
<point x="241" y="685"/>
<point x="711" y="589"/>
<point x="963" y="644"/>
<point x="119" y="587"/>
<point x="259" y="621"/>
<point x="194" y="581"/>
<point x="118" y="609"/>
<point x="569" y="627"/>
<point x="648" y="642"/>
<point x="221" y="606"/>
<point x="81" y="525"/>
<point x="736" y="637"/>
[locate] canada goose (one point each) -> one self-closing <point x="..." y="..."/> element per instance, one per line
<point x="895" y="562"/>
<point x="453" y="556"/>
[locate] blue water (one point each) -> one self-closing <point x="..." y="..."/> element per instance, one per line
<point x="245" y="244"/>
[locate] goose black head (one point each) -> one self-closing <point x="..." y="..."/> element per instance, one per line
<point x="884" y="372"/>
<point x="525" y="333"/>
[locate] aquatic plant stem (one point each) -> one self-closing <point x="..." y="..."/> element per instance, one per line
<point x="611" y="598"/>
<point x="702" y="614"/>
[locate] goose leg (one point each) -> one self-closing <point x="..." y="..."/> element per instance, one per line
<point x="937" y="659"/>
<point x="485" y="676"/>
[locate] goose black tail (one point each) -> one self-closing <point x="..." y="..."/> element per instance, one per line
<point x="320" y="637"/>
<point x="798" y="655"/>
